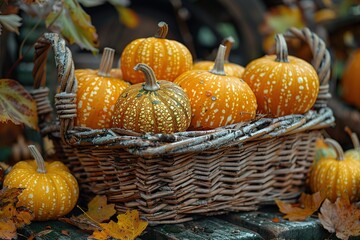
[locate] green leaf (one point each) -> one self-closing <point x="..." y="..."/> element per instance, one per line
<point x="16" y="104"/>
<point x="75" y="25"/>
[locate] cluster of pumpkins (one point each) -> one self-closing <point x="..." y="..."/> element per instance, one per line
<point x="162" y="90"/>
<point x="202" y="95"/>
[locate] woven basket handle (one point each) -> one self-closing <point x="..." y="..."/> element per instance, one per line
<point x="321" y="61"/>
<point x="65" y="99"/>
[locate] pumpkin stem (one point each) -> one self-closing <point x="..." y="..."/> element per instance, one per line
<point x="219" y="61"/>
<point x="150" y="79"/>
<point x="162" y="30"/>
<point x="281" y="48"/>
<point x="228" y="43"/>
<point x="354" y="138"/>
<point x="336" y="146"/>
<point x="106" y="62"/>
<point x="38" y="158"/>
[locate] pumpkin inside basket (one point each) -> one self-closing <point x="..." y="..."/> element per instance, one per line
<point x="172" y="178"/>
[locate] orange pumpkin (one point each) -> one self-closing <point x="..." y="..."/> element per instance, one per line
<point x="336" y="176"/>
<point x="153" y="107"/>
<point x="282" y="84"/>
<point x="50" y="190"/>
<point x="167" y="58"/>
<point x="350" y="81"/>
<point x="97" y="93"/>
<point x="231" y="69"/>
<point x="217" y="99"/>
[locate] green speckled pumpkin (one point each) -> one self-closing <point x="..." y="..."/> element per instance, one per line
<point x="152" y="107"/>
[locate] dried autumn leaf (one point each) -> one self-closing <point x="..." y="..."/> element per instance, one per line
<point x="75" y="25"/>
<point x="12" y="216"/>
<point x="16" y="104"/>
<point x="7" y="230"/>
<point x="128" y="226"/>
<point x="98" y="212"/>
<point x="308" y="204"/>
<point x="341" y="217"/>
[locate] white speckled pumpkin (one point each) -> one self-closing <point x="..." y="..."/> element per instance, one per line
<point x="51" y="191"/>
<point x="282" y="84"/>
<point x="152" y="107"/>
<point x="336" y="176"/>
<point x="167" y="58"/>
<point x="97" y="93"/>
<point x="217" y="99"/>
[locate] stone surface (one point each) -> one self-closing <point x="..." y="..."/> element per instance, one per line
<point x="202" y="229"/>
<point x="270" y="225"/>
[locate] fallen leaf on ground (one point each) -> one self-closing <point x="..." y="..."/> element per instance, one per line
<point x="12" y="216"/>
<point x="128" y="226"/>
<point x="308" y="204"/>
<point x="341" y="217"/>
<point x="98" y="212"/>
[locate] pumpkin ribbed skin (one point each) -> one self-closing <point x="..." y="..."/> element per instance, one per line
<point x="48" y="195"/>
<point x="336" y="177"/>
<point x="350" y="80"/>
<point x="217" y="99"/>
<point x="167" y="58"/>
<point x="282" y="84"/>
<point x="97" y="93"/>
<point x="163" y="108"/>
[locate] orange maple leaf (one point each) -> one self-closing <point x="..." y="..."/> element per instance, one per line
<point x="128" y="227"/>
<point x="308" y="204"/>
<point x="341" y="217"/>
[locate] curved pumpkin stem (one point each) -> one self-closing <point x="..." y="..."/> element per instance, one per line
<point x="150" y="79"/>
<point x="281" y="48"/>
<point x="336" y="146"/>
<point x="38" y="158"/>
<point x="354" y="138"/>
<point x="218" y="68"/>
<point x="162" y="30"/>
<point x="106" y="62"/>
<point x="228" y="43"/>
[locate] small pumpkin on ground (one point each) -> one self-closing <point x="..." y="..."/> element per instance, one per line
<point x="50" y="190"/>
<point x="282" y="84"/>
<point x="336" y="176"/>
<point x="97" y="93"/>
<point x="153" y="107"/>
<point x="231" y="69"/>
<point x="350" y="81"/>
<point x="168" y="58"/>
<point x="216" y="98"/>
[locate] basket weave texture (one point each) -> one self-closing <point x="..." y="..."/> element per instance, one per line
<point x="171" y="178"/>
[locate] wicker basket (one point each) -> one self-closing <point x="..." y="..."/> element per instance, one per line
<point x="171" y="178"/>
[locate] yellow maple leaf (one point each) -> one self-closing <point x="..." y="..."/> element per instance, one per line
<point x="128" y="227"/>
<point x="99" y="210"/>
